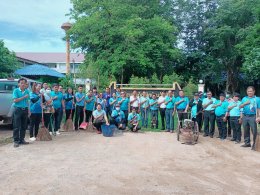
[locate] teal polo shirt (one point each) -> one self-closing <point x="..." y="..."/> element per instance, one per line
<point x="236" y="110"/>
<point x="155" y="106"/>
<point x="145" y="100"/>
<point x="90" y="105"/>
<point x="35" y="107"/>
<point x="57" y="103"/>
<point x="206" y="101"/>
<point x="250" y="109"/>
<point x="124" y="104"/>
<point x="111" y="100"/>
<point x="79" y="95"/>
<point x="17" y="93"/>
<point x="194" y="109"/>
<point x="132" y="116"/>
<point x="222" y="109"/>
<point x="183" y="105"/>
<point x="171" y="103"/>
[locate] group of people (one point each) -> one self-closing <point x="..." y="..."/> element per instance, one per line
<point x="132" y="112"/>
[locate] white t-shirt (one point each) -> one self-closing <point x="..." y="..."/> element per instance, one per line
<point x="162" y="99"/>
<point x="136" y="102"/>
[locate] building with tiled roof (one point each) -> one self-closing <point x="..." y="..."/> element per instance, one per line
<point x="56" y="61"/>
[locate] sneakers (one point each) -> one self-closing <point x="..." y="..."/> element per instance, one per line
<point x="246" y="145"/>
<point x="233" y="139"/>
<point x="57" y="132"/>
<point x="50" y="133"/>
<point x="32" y="139"/>
<point x="205" y="135"/>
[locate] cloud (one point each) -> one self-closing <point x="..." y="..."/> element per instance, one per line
<point x="32" y="25"/>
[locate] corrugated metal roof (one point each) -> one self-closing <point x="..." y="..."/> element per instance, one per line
<point x="38" y="70"/>
<point x="50" y="57"/>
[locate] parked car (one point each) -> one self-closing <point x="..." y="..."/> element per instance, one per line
<point x="6" y="101"/>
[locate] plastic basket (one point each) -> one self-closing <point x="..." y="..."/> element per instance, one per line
<point x="107" y="130"/>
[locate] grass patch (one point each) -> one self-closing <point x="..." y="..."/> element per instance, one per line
<point x="6" y="141"/>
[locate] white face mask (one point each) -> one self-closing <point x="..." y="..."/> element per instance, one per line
<point x="48" y="91"/>
<point x="117" y="109"/>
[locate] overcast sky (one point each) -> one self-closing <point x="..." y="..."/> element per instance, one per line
<point x="33" y="25"/>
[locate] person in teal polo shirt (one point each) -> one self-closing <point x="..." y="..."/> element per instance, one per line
<point x="36" y="110"/>
<point x="182" y="105"/>
<point x="169" y="102"/>
<point x="134" y="120"/>
<point x="69" y="102"/>
<point x="153" y="102"/>
<point x="251" y="110"/>
<point x="123" y="101"/>
<point x="209" y="115"/>
<point x="118" y="118"/>
<point x="235" y="114"/>
<point x="90" y="101"/>
<point x="58" y="102"/>
<point x="80" y="103"/>
<point x="221" y="108"/>
<point x="144" y="107"/>
<point x="113" y="101"/>
<point x="20" y="115"/>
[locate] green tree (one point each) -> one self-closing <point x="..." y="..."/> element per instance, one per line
<point x="126" y="37"/>
<point x="8" y="61"/>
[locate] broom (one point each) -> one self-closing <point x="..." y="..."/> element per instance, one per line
<point x="91" y="127"/>
<point x="68" y="126"/>
<point x="43" y="134"/>
<point x="84" y="124"/>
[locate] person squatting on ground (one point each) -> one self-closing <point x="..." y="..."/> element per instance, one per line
<point x="182" y="105"/>
<point x="196" y="110"/>
<point x="118" y="118"/>
<point x="20" y="115"/>
<point x="235" y="114"/>
<point x="35" y="110"/>
<point x="134" y="120"/>
<point x="251" y="109"/>
<point x="209" y="115"/>
<point x="100" y="118"/>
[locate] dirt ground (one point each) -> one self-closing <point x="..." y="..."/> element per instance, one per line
<point x="142" y="163"/>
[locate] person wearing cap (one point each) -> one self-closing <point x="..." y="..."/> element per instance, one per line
<point x="144" y="106"/>
<point x="209" y="115"/>
<point x="235" y="114"/>
<point x="134" y="120"/>
<point x="169" y="102"/>
<point x="196" y="110"/>
<point x="221" y="108"/>
<point x="118" y="118"/>
<point x="251" y="112"/>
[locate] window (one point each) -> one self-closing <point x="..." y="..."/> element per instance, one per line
<point x="8" y="86"/>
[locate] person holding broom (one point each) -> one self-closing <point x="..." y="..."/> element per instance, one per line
<point x="69" y="103"/>
<point x="100" y="118"/>
<point x="36" y="110"/>
<point x="90" y="101"/>
<point x="48" y="109"/>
